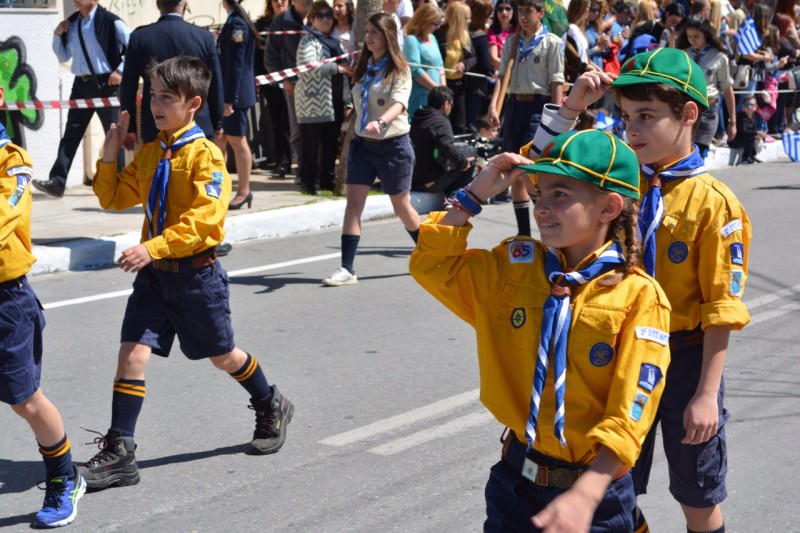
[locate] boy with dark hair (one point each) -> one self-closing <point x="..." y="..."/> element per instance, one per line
<point x="180" y="287"/>
<point x="22" y="322"/>
<point x="536" y="59"/>
<point x="695" y="239"/>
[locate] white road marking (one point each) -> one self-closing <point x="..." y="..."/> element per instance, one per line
<point x="772" y="297"/>
<point x="447" y="429"/>
<point x="403" y="419"/>
<point x="232" y="273"/>
<point x="774" y="313"/>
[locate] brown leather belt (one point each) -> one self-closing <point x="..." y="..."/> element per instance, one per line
<point x="686" y="338"/>
<point x="187" y="264"/>
<point x="529" y="464"/>
<point x="527" y="97"/>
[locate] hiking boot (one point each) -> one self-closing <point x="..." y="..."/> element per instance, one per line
<point x="340" y="276"/>
<point x="60" y="501"/>
<point x="114" y="464"/>
<point x="272" y="417"/>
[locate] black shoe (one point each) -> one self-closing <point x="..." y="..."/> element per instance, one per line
<point x="247" y="200"/>
<point x="51" y="186"/>
<point x="281" y="169"/>
<point x="114" y="464"/>
<point x="223" y="249"/>
<point x="272" y="417"/>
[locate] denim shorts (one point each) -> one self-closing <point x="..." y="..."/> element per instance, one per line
<point x="390" y="160"/>
<point x="512" y="500"/>
<point x="696" y="472"/>
<point x="236" y="124"/>
<point x="21" y="325"/>
<point x="192" y="305"/>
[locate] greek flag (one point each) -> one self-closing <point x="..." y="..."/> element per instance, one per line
<point x="747" y="39"/>
<point x="791" y="145"/>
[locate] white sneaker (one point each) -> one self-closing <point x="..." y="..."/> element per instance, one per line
<point x="340" y="276"/>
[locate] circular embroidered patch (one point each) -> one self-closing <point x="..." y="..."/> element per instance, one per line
<point x="601" y="354"/>
<point x="381" y="101"/>
<point x="518" y="317"/>
<point x="678" y="252"/>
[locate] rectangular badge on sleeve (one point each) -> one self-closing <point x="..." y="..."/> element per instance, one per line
<point x="22" y="183"/>
<point x="730" y="227"/>
<point x="737" y="282"/>
<point x="649" y="376"/>
<point x="652" y="334"/>
<point x="737" y="253"/>
<point x="213" y="190"/>
<point x="637" y="408"/>
<point x="217" y="177"/>
<point x="520" y="252"/>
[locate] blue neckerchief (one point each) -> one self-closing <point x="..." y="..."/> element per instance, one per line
<point x="369" y="78"/>
<point x="555" y="330"/>
<point x="525" y="52"/>
<point x="158" y="189"/>
<point x="4" y="138"/>
<point x="697" y="55"/>
<point x="651" y="211"/>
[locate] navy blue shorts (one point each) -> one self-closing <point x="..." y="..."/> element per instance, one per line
<point x="21" y="325"/>
<point x="391" y="160"/>
<point x="236" y="124"/>
<point x="512" y="500"/>
<point x="696" y="472"/>
<point x="194" y="305"/>
<point x="521" y="121"/>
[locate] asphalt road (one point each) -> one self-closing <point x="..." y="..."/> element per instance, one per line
<point x="388" y="433"/>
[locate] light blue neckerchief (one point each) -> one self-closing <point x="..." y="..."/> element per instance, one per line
<point x="4" y="138"/>
<point x="158" y="189"/>
<point x="555" y="330"/>
<point x="651" y="212"/>
<point x="697" y="55"/>
<point x="524" y="52"/>
<point x="369" y="78"/>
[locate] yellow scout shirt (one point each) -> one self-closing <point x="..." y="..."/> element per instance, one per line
<point x="15" y="209"/>
<point x="702" y="253"/>
<point x="615" y="330"/>
<point x="197" y="196"/>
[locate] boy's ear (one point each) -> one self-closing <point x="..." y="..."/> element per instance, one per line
<point x="612" y="208"/>
<point x="691" y="113"/>
<point x="196" y="102"/>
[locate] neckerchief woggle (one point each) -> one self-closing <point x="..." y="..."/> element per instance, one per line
<point x="555" y="331"/>
<point x="4" y="138"/>
<point x="158" y="189"/>
<point x="524" y="53"/>
<point x="369" y="78"/>
<point x="651" y="211"/>
<point x="697" y="55"/>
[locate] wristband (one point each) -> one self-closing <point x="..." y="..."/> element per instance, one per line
<point x="568" y="108"/>
<point x="463" y="202"/>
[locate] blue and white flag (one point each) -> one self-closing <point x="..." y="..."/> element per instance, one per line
<point x="791" y="144"/>
<point x="747" y="39"/>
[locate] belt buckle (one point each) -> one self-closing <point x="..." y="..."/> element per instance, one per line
<point x="561" y="478"/>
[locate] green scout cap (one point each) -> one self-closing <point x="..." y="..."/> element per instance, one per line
<point x="593" y="156"/>
<point x="666" y="65"/>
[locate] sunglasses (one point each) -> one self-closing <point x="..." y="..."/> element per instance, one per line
<point x="324" y="15"/>
<point x="504" y="8"/>
<point x="749" y="105"/>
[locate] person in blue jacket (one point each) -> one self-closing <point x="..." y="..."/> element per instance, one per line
<point x="236" y="45"/>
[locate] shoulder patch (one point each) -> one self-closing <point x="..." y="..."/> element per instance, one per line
<point x="237" y="36"/>
<point x="22" y="183"/>
<point x="652" y="334"/>
<point x="22" y="169"/>
<point x="730" y="227"/>
<point x="217" y="177"/>
<point x="649" y="376"/>
<point x="737" y="282"/>
<point x="637" y="407"/>
<point x="213" y="190"/>
<point x="520" y="252"/>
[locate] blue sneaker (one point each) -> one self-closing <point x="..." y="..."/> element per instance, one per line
<point x="60" y="501"/>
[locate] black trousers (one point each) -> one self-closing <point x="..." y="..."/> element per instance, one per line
<point x="78" y="120"/>
<point x="276" y="127"/>
<point x="320" y="144"/>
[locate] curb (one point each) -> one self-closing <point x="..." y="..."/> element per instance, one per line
<point x="103" y="251"/>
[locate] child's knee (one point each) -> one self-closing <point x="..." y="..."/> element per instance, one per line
<point x="231" y="361"/>
<point x="28" y="408"/>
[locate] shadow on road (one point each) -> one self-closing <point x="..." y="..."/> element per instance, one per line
<point x="193" y="456"/>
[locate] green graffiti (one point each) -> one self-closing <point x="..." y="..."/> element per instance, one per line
<point x="19" y="81"/>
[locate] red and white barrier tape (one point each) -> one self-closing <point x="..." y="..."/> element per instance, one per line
<point x="83" y="103"/>
<point x="274" y="77"/>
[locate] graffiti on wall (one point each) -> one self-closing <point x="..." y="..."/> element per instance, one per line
<point x="125" y="7"/>
<point x="19" y="81"/>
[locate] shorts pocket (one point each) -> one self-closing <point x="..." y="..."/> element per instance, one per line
<point x="712" y="461"/>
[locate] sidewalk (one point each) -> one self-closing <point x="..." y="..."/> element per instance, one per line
<point x="74" y="233"/>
